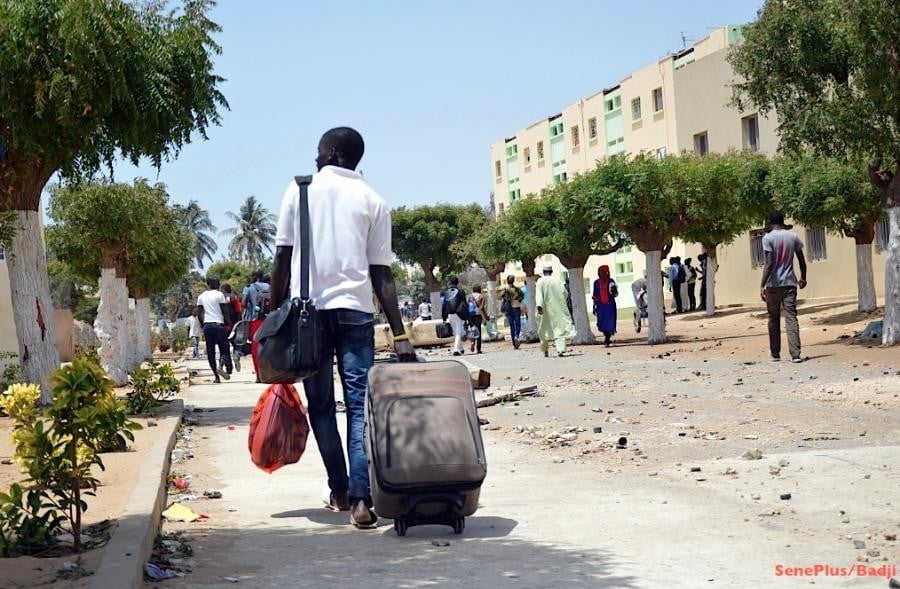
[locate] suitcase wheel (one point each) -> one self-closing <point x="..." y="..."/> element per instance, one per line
<point x="400" y="527"/>
<point x="459" y="525"/>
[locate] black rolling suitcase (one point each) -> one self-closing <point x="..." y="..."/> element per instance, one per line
<point x="426" y="456"/>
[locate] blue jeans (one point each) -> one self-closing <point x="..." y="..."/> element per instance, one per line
<point x="350" y="335"/>
<point x="514" y="318"/>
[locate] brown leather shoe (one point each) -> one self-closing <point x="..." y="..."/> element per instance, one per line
<point x="338" y="502"/>
<point x="362" y="516"/>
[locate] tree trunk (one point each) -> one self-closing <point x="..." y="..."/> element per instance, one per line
<point x="131" y="337"/>
<point x="434" y="290"/>
<point x="110" y="325"/>
<point x="712" y="266"/>
<point x="865" y="278"/>
<point x="142" y="319"/>
<point x="583" y="334"/>
<point x="891" y="333"/>
<point x="656" y="313"/>
<point x="32" y="307"/>
<point x="491" y="297"/>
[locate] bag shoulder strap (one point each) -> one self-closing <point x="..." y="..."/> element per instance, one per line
<point x="303" y="182"/>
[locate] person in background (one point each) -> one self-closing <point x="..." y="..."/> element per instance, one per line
<point x="676" y="279"/>
<point x="233" y="314"/>
<point x="455" y="309"/>
<point x="195" y="332"/>
<point x="211" y="309"/>
<point x="639" y="292"/>
<point x="779" y="285"/>
<point x="554" y="321"/>
<point x="425" y="310"/>
<point x="605" y="293"/>
<point x="691" y="273"/>
<point x="513" y="300"/>
<point x="479" y="317"/>
<point x="251" y="294"/>
<point x="702" y="269"/>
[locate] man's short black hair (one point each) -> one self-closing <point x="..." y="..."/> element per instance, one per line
<point x="453" y="281"/>
<point x="347" y="143"/>
<point x="257" y="275"/>
<point x="212" y="282"/>
<point x="776" y="218"/>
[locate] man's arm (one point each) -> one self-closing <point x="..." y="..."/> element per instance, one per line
<point x="281" y="275"/>
<point x="386" y="291"/>
<point x="801" y="259"/>
<point x="200" y="314"/>
<point x="767" y="272"/>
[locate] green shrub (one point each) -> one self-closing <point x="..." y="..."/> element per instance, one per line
<point x="10" y="371"/>
<point x="165" y="340"/>
<point x="87" y="351"/>
<point x="86" y="310"/>
<point x="151" y="385"/>
<point x="180" y="338"/>
<point x="57" y="449"/>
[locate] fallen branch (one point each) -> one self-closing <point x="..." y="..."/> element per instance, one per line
<point x="506" y="398"/>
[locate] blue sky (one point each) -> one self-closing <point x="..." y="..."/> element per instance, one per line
<point x="429" y="85"/>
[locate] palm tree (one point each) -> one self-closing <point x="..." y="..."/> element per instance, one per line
<point x="198" y="223"/>
<point x="253" y="233"/>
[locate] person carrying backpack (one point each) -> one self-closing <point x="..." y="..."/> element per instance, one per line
<point x="255" y="291"/>
<point x="456" y="311"/>
<point x="478" y="315"/>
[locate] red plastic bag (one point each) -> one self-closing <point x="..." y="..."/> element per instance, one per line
<point x="278" y="428"/>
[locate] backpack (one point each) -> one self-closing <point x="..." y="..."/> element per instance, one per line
<point x="472" y="306"/>
<point x="456" y="303"/>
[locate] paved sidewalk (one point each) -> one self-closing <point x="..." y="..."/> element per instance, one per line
<point x="541" y="524"/>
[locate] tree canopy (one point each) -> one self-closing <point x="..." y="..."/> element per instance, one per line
<point x="230" y="272"/>
<point x="426" y="235"/>
<point x="198" y="224"/>
<point x="253" y="233"/>
<point x="83" y="82"/>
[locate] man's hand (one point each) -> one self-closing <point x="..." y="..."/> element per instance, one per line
<point x="762" y="293"/>
<point x="802" y="283"/>
<point x="405" y="351"/>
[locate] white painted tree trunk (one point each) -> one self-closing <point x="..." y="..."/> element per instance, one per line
<point x="529" y="330"/>
<point x="656" y="314"/>
<point x="712" y="266"/>
<point x="491" y="297"/>
<point x="132" y="352"/>
<point x="110" y="325"/>
<point x="865" y="278"/>
<point x="31" y="304"/>
<point x="580" y="316"/>
<point x="435" y="304"/>
<point x="142" y="318"/>
<point x="891" y="334"/>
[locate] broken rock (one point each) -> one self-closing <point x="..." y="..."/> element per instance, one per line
<point x="754" y="454"/>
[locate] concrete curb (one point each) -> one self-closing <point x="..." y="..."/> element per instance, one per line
<point x="132" y="542"/>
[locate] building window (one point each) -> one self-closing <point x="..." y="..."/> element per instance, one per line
<point x="540" y="151"/>
<point x="498" y="172"/>
<point x="576" y="137"/>
<point x="657" y="100"/>
<point x="701" y="143"/>
<point x="636" y="109"/>
<point x="815" y="244"/>
<point x="750" y="126"/>
<point x="527" y="155"/>
<point x="624" y="268"/>
<point x="592" y="128"/>
<point x="512" y="150"/>
<point x="757" y="256"/>
<point x="560" y="178"/>
<point x="660" y="153"/>
<point x="515" y="195"/>
<point x="556" y="130"/>
<point x="501" y="209"/>
<point x="882" y="236"/>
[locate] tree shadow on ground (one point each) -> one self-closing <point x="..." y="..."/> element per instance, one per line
<point x="334" y="554"/>
<point x="849" y="317"/>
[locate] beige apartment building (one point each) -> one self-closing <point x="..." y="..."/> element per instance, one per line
<point x="679" y="103"/>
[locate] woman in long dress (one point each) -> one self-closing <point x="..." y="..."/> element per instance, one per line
<point x="605" y="292"/>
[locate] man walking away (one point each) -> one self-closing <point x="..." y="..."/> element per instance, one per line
<point x="350" y="227"/>
<point x="554" y="321"/>
<point x="691" y="274"/>
<point x="478" y="317"/>
<point x="513" y="299"/>
<point x="455" y="310"/>
<point x="779" y="285"/>
<point x="211" y="309"/>
<point x="425" y="310"/>
<point x="233" y="313"/>
<point x="252" y="295"/>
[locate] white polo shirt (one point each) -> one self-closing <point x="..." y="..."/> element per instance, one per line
<point x="210" y="301"/>
<point x="350" y="229"/>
